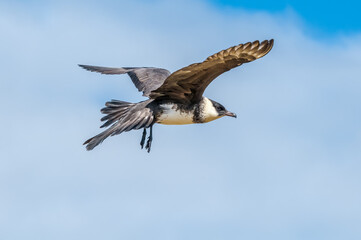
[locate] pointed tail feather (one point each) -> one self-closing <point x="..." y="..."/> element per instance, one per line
<point x="98" y="139"/>
<point x="123" y="117"/>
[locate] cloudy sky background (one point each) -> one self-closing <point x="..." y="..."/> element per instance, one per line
<point x="287" y="168"/>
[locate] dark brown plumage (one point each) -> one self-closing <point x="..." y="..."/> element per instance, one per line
<point x="175" y="98"/>
<point x="188" y="84"/>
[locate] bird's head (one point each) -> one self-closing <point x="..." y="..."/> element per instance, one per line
<point x="213" y="110"/>
<point x="222" y="111"/>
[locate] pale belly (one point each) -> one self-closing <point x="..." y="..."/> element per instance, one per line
<point x="171" y="116"/>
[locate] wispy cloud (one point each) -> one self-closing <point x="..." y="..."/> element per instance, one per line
<point x="287" y="168"/>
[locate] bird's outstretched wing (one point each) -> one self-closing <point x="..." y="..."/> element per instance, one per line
<point x="146" y="79"/>
<point x="188" y="84"/>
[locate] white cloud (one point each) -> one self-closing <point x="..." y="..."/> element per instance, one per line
<point x="287" y="168"/>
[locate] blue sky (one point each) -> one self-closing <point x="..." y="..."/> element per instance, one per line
<point x="323" y="16"/>
<point x="287" y="168"/>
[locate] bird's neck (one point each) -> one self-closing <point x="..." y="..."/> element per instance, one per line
<point x="205" y="111"/>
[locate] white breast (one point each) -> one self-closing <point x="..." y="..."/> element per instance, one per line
<point x="173" y="116"/>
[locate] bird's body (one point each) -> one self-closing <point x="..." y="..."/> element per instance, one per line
<point x="174" y="99"/>
<point x="173" y="114"/>
<point x="180" y="114"/>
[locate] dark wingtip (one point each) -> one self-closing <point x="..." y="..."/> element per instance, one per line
<point x="269" y="46"/>
<point x="271" y="42"/>
<point x="83" y="66"/>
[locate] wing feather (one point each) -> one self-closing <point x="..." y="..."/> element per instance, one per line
<point x="145" y="79"/>
<point x="188" y="84"/>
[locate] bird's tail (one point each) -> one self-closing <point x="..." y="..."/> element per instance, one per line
<point x="114" y="111"/>
<point x="98" y="139"/>
<point x="123" y="117"/>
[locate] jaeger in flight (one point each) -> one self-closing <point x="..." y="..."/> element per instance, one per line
<point x="175" y="98"/>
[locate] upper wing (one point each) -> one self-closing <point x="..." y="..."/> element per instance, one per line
<point x="188" y="84"/>
<point x="146" y="79"/>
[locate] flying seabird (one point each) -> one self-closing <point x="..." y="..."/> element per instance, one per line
<point x="174" y="99"/>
